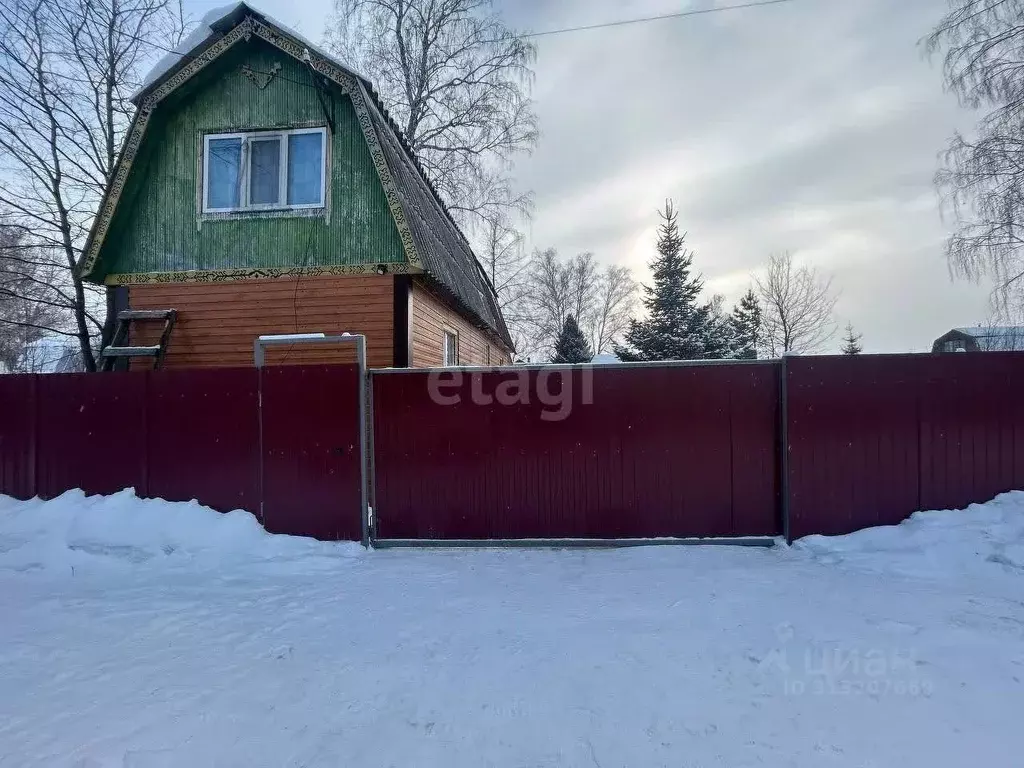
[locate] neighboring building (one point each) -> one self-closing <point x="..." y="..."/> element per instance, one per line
<point x="263" y="189"/>
<point x="605" y="358"/>
<point x="982" y="339"/>
<point x="51" y="355"/>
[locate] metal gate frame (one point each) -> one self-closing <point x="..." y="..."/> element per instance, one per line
<point x="259" y="358"/>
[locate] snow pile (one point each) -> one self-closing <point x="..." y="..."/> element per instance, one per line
<point x="75" y="529"/>
<point x="652" y="656"/>
<point x="936" y="544"/>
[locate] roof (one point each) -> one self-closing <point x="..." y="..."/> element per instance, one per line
<point x="214" y="23"/>
<point x="982" y="331"/>
<point x="52" y="355"/>
<point x="984" y="338"/>
<point x="1006" y="338"/>
<point x="432" y="239"/>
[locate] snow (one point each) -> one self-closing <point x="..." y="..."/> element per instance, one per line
<point x="948" y="544"/>
<point x="282" y="337"/>
<point x="204" y="31"/>
<point x="143" y="633"/>
<point x="51" y="354"/>
<point x="75" y="530"/>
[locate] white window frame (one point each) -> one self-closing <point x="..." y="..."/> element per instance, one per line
<point x="445" y="334"/>
<point x="243" y="172"/>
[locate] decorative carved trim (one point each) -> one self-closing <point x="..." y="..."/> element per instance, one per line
<point x="134" y="139"/>
<point x="261" y="79"/>
<point x="357" y="93"/>
<point x="248" y="27"/>
<point x="252" y="273"/>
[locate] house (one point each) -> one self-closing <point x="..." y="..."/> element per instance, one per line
<point x="982" y="339"/>
<point x="51" y="354"/>
<point x="263" y="189"/>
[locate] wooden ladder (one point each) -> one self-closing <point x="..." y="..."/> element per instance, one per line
<point x="115" y="351"/>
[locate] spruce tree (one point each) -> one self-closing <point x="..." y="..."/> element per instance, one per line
<point x="746" y="327"/>
<point x="851" y="341"/>
<point x="572" y="346"/>
<point x="676" y="325"/>
<point x="718" y="337"/>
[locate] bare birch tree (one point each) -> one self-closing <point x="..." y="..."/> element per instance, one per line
<point x="67" y="71"/>
<point x="507" y="264"/>
<point x="504" y="259"/>
<point x="797" y="307"/>
<point x="615" y="303"/>
<point x="30" y="304"/>
<point x="601" y="300"/>
<point x="982" y="179"/>
<point x="457" y="81"/>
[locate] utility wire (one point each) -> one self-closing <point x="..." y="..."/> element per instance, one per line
<point x="544" y="33"/>
<point x="660" y="17"/>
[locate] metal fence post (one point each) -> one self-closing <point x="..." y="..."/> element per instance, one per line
<point x="258" y="353"/>
<point x="784" y="449"/>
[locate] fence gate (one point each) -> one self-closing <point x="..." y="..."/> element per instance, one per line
<point x="312" y="439"/>
<point x="576" y="452"/>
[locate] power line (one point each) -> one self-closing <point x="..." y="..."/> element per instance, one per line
<point x="660" y="17"/>
<point x="549" y="32"/>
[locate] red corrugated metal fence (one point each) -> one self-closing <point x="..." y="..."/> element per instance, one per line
<point x="628" y="451"/>
<point x="194" y="434"/>
<point x="603" y="452"/>
<point x="874" y="438"/>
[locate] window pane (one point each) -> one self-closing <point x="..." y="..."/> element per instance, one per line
<point x="450" y="354"/>
<point x="305" y="167"/>
<point x="223" y="165"/>
<point x="265" y="172"/>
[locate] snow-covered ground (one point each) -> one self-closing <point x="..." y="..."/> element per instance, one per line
<point x="138" y="633"/>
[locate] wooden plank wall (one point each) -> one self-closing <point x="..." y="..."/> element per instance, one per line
<point x="431" y="315"/>
<point x="217" y="322"/>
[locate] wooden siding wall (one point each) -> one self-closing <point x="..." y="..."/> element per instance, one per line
<point x="218" y="322"/>
<point x="431" y="315"/>
<point x="157" y="228"/>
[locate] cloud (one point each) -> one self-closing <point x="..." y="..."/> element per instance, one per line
<point x="812" y="127"/>
<point x="808" y="126"/>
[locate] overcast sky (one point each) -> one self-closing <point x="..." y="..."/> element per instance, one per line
<point x="812" y="126"/>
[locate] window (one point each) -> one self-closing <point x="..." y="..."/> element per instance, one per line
<point x="450" y="353"/>
<point x="268" y="170"/>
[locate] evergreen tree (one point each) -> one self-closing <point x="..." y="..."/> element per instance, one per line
<point x="851" y="341"/>
<point x="572" y="346"/>
<point x="746" y="327"/>
<point x="718" y="337"/>
<point x="676" y="325"/>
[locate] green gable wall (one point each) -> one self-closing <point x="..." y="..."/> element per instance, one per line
<point x="157" y="226"/>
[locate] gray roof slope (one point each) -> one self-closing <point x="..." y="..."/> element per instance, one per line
<point x="446" y="254"/>
<point x="1008" y="338"/>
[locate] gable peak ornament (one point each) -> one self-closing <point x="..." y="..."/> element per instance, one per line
<point x="261" y="79"/>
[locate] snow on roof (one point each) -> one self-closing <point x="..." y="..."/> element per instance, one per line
<point x="198" y="36"/>
<point x="605" y="358"/>
<point x="206" y="30"/>
<point x="51" y="355"/>
<point x="979" y="331"/>
<point x="996" y="337"/>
